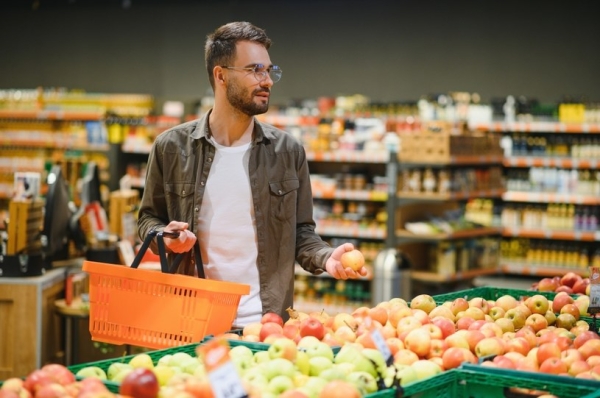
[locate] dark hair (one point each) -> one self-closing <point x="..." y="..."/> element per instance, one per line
<point x="220" y="45"/>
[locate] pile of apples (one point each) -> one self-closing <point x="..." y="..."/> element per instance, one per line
<point x="570" y="282"/>
<point x="53" y="381"/>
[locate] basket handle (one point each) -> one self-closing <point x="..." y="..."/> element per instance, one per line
<point x="162" y="253"/>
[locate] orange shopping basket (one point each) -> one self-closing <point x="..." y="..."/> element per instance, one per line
<point x="158" y="309"/>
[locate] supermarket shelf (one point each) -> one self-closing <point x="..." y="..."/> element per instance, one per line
<point x="28" y="144"/>
<point x="587" y="236"/>
<point x="540" y="161"/>
<point x="351" y="231"/>
<point x="549" y="197"/>
<point x="543" y="270"/>
<point x="21" y="169"/>
<point x="349" y="156"/>
<point x="457" y="160"/>
<point x="425" y="276"/>
<point x="543" y="127"/>
<point x="50" y="115"/>
<point x="463" y="234"/>
<point x="487" y="193"/>
<point x="351" y="194"/>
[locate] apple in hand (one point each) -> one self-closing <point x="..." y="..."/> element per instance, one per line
<point x="140" y="383"/>
<point x="353" y="259"/>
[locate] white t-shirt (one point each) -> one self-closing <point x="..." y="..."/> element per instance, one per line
<point x="227" y="228"/>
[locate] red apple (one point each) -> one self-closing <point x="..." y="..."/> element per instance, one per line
<point x="418" y="341"/>
<point x="580" y="286"/>
<point x="547" y="285"/>
<point x="548" y="350"/>
<point x="272" y="317"/>
<point x="589" y="348"/>
<point x="571" y="309"/>
<point x="36" y="380"/>
<point x="583" y="337"/>
<point x="140" y="383"/>
<point x="312" y="327"/>
<point x="569" y="279"/>
<point x="339" y="389"/>
<point x="269" y="328"/>
<point x="446" y="325"/>
<point x="518" y="344"/>
<point x="453" y="357"/>
<point x="564" y="289"/>
<point x="553" y="366"/>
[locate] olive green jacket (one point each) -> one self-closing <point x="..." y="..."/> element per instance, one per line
<point x="178" y="166"/>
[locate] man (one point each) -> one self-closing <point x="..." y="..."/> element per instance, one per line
<point x="240" y="186"/>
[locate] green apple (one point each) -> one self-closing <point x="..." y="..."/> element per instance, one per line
<point x="318" y="365"/>
<point x="278" y="366"/>
<point x="376" y="357"/>
<point x="333" y="373"/>
<point x="163" y="373"/>
<point x="189" y="365"/>
<point x="179" y="359"/>
<point x="301" y="362"/>
<point x="242" y="364"/>
<point x="405" y="373"/>
<point x="280" y="383"/>
<point x="240" y="351"/>
<point x="261" y="357"/>
<point x="365" y="382"/>
<point x="354" y="355"/>
<point x="255" y="377"/>
<point x="425" y="368"/>
<point x="307" y="342"/>
<point x="115" y="368"/>
<point x="346" y="367"/>
<point x="92" y="371"/>
<point x="164" y="360"/>
<point x="121" y="375"/>
<point x="283" y="348"/>
<point x="314" y="385"/>
<point x="320" y="349"/>
<point x="141" y="360"/>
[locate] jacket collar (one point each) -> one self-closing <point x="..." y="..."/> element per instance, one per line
<point x="261" y="130"/>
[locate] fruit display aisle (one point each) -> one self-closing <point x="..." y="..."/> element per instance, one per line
<point x="481" y="342"/>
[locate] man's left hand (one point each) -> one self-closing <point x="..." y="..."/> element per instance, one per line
<point x="334" y="266"/>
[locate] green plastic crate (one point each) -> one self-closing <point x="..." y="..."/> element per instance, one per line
<point x="443" y="385"/>
<point x="155" y="355"/>
<point x="493" y="293"/>
<point x="494" y="382"/>
<point x="475" y="382"/>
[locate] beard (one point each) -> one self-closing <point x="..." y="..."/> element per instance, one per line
<point x="241" y="99"/>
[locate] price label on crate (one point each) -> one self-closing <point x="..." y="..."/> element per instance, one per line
<point x="378" y="340"/>
<point x="222" y="374"/>
<point x="594" y="307"/>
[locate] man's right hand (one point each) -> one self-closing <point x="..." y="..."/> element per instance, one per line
<point x="186" y="239"/>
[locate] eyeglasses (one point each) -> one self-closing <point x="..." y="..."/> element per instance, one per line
<point x="260" y="72"/>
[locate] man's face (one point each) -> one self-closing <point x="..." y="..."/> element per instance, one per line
<point x="244" y="91"/>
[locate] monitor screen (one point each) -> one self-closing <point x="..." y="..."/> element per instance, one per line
<point x="90" y="189"/>
<point x="57" y="214"/>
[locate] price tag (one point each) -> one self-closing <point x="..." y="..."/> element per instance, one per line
<point x="594" y="307"/>
<point x="222" y="374"/>
<point x="378" y="340"/>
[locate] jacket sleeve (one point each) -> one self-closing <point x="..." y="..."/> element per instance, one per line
<point x="311" y="251"/>
<point x="153" y="209"/>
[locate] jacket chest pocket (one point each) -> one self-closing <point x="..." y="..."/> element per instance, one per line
<point x="180" y="200"/>
<point x="283" y="198"/>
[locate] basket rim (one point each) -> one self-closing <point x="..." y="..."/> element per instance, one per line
<point x="178" y="280"/>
